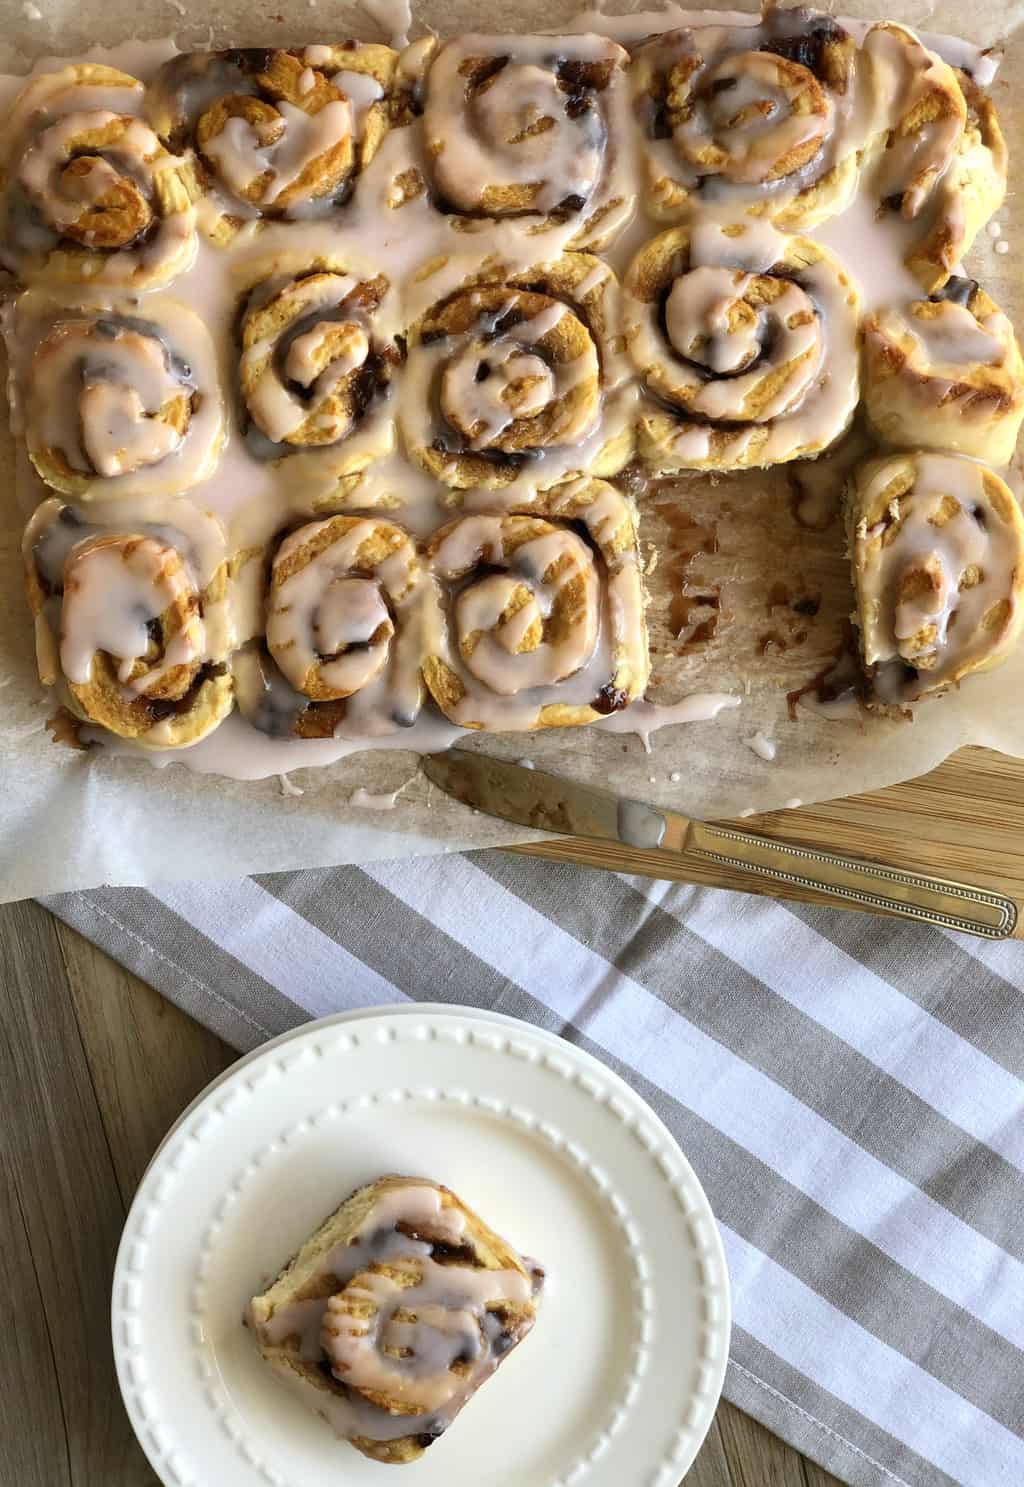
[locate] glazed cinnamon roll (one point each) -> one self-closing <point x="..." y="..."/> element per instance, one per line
<point x="937" y="547"/>
<point x="746" y="343"/>
<point x="507" y="381"/>
<point x="131" y="616"/>
<point x="344" y="633"/>
<point x="939" y="157"/>
<point x="393" y="1314"/>
<point x="531" y="127"/>
<point x="116" y="402"/>
<point x="92" y="195"/>
<point x="315" y="368"/>
<point x="539" y="626"/>
<point x="946" y="373"/>
<point x="758" y="119"/>
<point x="275" y="133"/>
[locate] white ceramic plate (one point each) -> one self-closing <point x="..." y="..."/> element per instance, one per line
<point x="616" y="1385"/>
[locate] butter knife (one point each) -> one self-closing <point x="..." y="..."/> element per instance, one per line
<point x="547" y="802"/>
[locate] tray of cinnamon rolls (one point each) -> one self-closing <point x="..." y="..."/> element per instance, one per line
<point x="360" y="386"/>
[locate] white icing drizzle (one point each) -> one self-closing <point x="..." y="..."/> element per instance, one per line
<point x="51" y="95"/>
<point x="276" y="406"/>
<point x="531" y="123"/>
<point x="400" y="1323"/>
<point x="937" y="571"/>
<point x="520" y="632"/>
<point x="515" y="375"/>
<point x="276" y="154"/>
<point x="763" y="747"/>
<point x="367" y="800"/>
<point x="390" y="225"/>
<point x="705" y="325"/>
<point x="393" y="16"/>
<point x="743" y="328"/>
<point x="128" y="403"/>
<point x="346" y="622"/>
<point x="136" y="593"/>
<point x="556" y="626"/>
<point x="245" y="752"/>
<point x="873" y="249"/>
<point x="90" y="175"/>
<point x="751" y="116"/>
<point x="946" y="374"/>
<point x="411" y="1362"/>
<point x="952" y="336"/>
<point x="645" y="718"/>
<point x="362" y="91"/>
<point x="886" y="113"/>
<point x="112" y="591"/>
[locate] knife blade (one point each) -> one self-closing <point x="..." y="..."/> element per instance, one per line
<point x="533" y="797"/>
<point x="548" y="802"/>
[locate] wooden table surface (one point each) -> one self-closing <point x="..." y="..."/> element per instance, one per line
<point x="94" y="1068"/>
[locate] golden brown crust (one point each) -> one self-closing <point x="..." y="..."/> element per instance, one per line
<point x="937" y="550"/>
<point x="555" y="155"/>
<point x="196" y="96"/>
<point x="764" y="152"/>
<point x="941" y="163"/>
<point x="313" y="364"/>
<point x="454" y="1237"/>
<point x="579" y="588"/>
<point x="946" y="373"/>
<point x="743" y="366"/>
<point x="119" y="404"/>
<point x="92" y="194"/>
<point x="504" y="376"/>
<point x="131" y="632"/>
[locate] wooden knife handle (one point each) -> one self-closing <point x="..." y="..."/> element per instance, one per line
<point x="868" y="885"/>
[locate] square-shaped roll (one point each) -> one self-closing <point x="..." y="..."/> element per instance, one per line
<point x="391" y="1316"/>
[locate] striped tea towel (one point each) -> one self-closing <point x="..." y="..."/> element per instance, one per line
<point x="850" y="1091"/>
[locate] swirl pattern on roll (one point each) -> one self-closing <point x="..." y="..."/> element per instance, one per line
<point x="131" y="616"/>
<point x="531" y="126"/>
<point x="937" y="157"/>
<point x="344" y="630"/>
<point x="394" y="1313"/>
<point x="946" y="373"/>
<point x="119" y="403"/>
<point x="92" y="194"/>
<point x="506" y="382"/>
<point x="937" y="548"/>
<point x="275" y="133"/>
<point x="314" y="367"/>
<point x="757" y="118"/>
<point x="746" y="342"/>
<point x="538" y="626"/>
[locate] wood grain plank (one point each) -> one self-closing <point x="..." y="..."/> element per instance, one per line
<point x="759" y="1459"/>
<point x="147" y="1059"/>
<point x="711" y="1468"/>
<point x="63" y="1176"/>
<point x="816" y="1475"/>
<point x="33" y="1438"/>
<point x="964" y="821"/>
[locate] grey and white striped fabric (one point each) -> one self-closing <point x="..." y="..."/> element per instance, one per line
<point x="850" y="1092"/>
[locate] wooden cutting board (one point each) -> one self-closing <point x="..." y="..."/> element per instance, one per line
<point x="964" y="821"/>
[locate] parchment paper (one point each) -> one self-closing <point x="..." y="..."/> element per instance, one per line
<point x="72" y="820"/>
